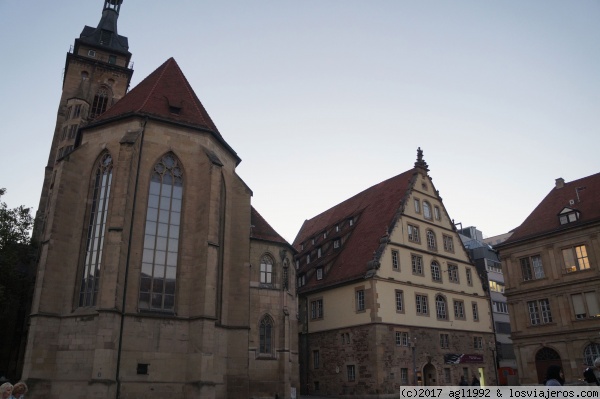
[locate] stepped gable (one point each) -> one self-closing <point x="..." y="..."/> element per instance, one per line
<point x="262" y="230"/>
<point x="164" y="94"/>
<point x="374" y="210"/>
<point x="544" y="218"/>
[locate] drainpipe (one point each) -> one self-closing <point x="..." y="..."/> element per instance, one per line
<point x="135" y="191"/>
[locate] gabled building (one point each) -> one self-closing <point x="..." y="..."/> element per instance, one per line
<point x="551" y="266"/>
<point x="156" y="275"/>
<point x="388" y="294"/>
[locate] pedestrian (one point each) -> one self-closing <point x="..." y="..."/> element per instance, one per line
<point x="6" y="390"/>
<point x="19" y="390"/>
<point x="463" y="381"/>
<point x="554" y="376"/>
<point x="475" y="381"/>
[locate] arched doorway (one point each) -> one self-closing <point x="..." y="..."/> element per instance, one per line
<point x="544" y="358"/>
<point x="430" y="375"/>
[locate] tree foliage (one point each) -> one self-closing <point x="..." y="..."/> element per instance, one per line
<point x="16" y="252"/>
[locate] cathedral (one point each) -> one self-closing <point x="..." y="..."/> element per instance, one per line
<point x="156" y="275"/>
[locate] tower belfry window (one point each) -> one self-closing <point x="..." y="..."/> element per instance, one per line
<point x="105" y="37"/>
<point x="100" y="102"/>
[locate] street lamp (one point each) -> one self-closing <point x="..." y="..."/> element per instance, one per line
<point x="413" y="345"/>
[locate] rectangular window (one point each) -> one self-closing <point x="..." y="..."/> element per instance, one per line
<point x="77" y="111"/>
<point x="531" y="268"/>
<point x="398" y="338"/>
<point x="417" y="264"/>
<point x="360" y="300"/>
<point x="453" y="273"/>
<point x="493" y="266"/>
<point x="575" y="259"/>
<point x="417" y="206"/>
<point x="585" y="305"/>
<point x="459" y="309"/>
<point x="448" y="243"/>
<point x="413" y="233"/>
<point x="421" y="301"/>
<point x="478" y="342"/>
<point x="475" y="311"/>
<point x="399" y="301"/>
<point x="336" y="243"/>
<point x="447" y="376"/>
<point x="496" y="286"/>
<point x="319" y="252"/>
<point x="404" y="337"/>
<point x="444" y="341"/>
<point x="316" y="309"/>
<point x="539" y="312"/>
<point x="436" y="211"/>
<point x="469" y="276"/>
<point x="319" y="273"/>
<point x="499" y="307"/>
<point x="404" y="376"/>
<point x="395" y="261"/>
<point x="316" y="359"/>
<point x="351" y="373"/>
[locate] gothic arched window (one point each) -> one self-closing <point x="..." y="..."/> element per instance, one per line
<point x="90" y="278"/>
<point x="266" y="335"/>
<point x="161" y="239"/>
<point x="100" y="102"/>
<point x="266" y="270"/>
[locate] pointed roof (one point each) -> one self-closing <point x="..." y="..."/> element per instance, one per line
<point x="582" y="196"/>
<point x="165" y="95"/>
<point x="374" y="212"/>
<point x="105" y="34"/>
<point x="262" y="230"/>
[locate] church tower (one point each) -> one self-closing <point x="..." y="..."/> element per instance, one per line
<point x="97" y="73"/>
<point x="156" y="276"/>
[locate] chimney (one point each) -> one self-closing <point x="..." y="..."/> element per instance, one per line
<point x="560" y="182"/>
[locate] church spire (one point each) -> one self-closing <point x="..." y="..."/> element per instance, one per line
<point x="105" y="34"/>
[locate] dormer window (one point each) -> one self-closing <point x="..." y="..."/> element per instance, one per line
<point x="568" y="215"/>
<point x="337" y="228"/>
<point x="319" y="253"/>
<point x="324" y="234"/>
<point x="319" y="273"/>
<point x="307" y="259"/>
<point x="350" y="221"/>
<point x="91" y="53"/>
<point x="336" y="243"/>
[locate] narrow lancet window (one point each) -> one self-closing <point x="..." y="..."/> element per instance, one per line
<point x="90" y="280"/>
<point x="161" y="239"/>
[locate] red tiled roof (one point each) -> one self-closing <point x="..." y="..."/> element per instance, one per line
<point x="165" y="94"/>
<point x="262" y="230"/>
<point x="544" y="218"/>
<point x="164" y="91"/>
<point x="374" y="212"/>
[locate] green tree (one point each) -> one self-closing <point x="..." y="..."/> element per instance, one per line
<point x="16" y="252"/>
<point x="17" y="267"/>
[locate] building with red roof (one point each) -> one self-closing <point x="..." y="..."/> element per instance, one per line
<point x="389" y="295"/>
<point x="156" y="275"/>
<point x="552" y="274"/>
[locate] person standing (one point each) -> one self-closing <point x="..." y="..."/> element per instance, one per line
<point x="19" y="390"/>
<point x="554" y="376"/>
<point x="6" y="390"/>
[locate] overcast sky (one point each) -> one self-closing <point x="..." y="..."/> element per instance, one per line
<point x="323" y="99"/>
